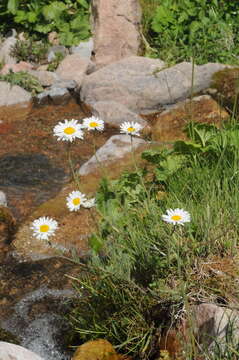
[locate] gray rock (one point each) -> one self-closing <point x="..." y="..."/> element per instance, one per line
<point x="115" y="148"/>
<point x="114" y="114"/>
<point x="15" y="352"/>
<point x="143" y="85"/>
<point x="46" y="78"/>
<point x="55" y="95"/>
<point x="115" y="30"/>
<point x="73" y="67"/>
<point x="68" y="84"/>
<point x="13" y="95"/>
<point x="3" y="199"/>
<point x="84" y="49"/>
<point x="51" y="54"/>
<point x="5" y="50"/>
<point x="214" y="324"/>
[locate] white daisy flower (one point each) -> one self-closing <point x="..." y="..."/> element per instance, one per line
<point x="177" y="217"/>
<point x="89" y="203"/>
<point x="130" y="128"/>
<point x="74" y="200"/>
<point x="68" y="130"/>
<point x="44" y="227"/>
<point x="93" y="123"/>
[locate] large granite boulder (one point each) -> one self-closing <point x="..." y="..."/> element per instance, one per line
<point x="73" y="67"/>
<point x="115" y="30"/>
<point x="145" y="85"/>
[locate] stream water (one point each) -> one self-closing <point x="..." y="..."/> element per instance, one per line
<point x="35" y="296"/>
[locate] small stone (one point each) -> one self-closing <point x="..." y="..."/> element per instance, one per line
<point x="10" y="351"/>
<point x="7" y="226"/>
<point x="53" y="38"/>
<point x="96" y="350"/>
<point x="3" y="199"/>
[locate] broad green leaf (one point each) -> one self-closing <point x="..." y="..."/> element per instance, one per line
<point x="96" y="243"/>
<point x="21" y="16"/>
<point x="187" y="147"/>
<point x="83" y="3"/>
<point x="44" y="29"/>
<point x="154" y="156"/>
<point x="12" y="6"/>
<point x="32" y="17"/>
<point x="54" y="10"/>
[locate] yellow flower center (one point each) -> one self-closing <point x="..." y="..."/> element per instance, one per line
<point x="76" y="201"/>
<point x="44" y="228"/>
<point x="69" y="130"/>
<point x="93" y="124"/>
<point x="176" y="217"/>
<point x="131" y="129"/>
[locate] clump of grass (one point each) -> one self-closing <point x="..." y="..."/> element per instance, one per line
<point x="141" y="265"/>
<point x="23" y="79"/>
<point x="30" y="50"/>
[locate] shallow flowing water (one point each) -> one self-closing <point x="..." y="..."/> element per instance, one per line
<point x="33" y="168"/>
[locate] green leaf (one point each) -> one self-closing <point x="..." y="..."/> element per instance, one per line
<point x="12" y="6"/>
<point x="32" y="17"/>
<point x="53" y="11"/>
<point x="21" y="17"/>
<point x="44" y="29"/>
<point x="83" y="3"/>
<point x="153" y="156"/>
<point x="96" y="243"/>
<point x="187" y="147"/>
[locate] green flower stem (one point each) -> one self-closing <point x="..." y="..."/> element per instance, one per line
<point x="138" y="172"/>
<point x="74" y="174"/>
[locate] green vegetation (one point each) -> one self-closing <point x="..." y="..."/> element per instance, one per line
<point x="55" y="63"/>
<point x="30" y="50"/>
<point x="23" y="79"/>
<point x="178" y="30"/>
<point x="69" y="18"/>
<point x="144" y="272"/>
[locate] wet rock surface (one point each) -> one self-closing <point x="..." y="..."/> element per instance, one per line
<point x="34" y="299"/>
<point x="34" y="165"/>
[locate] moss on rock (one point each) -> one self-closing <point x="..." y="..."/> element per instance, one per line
<point x="226" y="82"/>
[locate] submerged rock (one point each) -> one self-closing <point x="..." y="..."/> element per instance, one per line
<point x="34" y="298"/>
